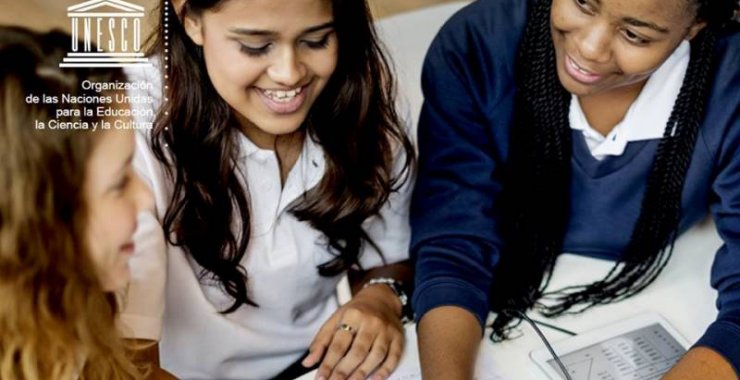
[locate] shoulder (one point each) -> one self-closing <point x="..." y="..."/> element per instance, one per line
<point x="727" y="56"/>
<point x="472" y="59"/>
<point x="722" y="119"/>
<point x="724" y="94"/>
<point x="492" y="27"/>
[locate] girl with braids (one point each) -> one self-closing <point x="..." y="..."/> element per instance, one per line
<point x="603" y="128"/>
<point x="278" y="164"/>
<point x="68" y="210"/>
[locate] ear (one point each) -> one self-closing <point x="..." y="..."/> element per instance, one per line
<point x="193" y="27"/>
<point x="695" y="29"/>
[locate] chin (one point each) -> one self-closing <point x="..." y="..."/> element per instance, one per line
<point x="114" y="282"/>
<point x="570" y="85"/>
<point x="118" y="285"/>
<point x="282" y="127"/>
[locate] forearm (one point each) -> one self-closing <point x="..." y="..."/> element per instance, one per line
<point x="449" y="337"/>
<point x="702" y="363"/>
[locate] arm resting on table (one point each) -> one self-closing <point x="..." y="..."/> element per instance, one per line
<point x="702" y="363"/>
<point x="449" y="338"/>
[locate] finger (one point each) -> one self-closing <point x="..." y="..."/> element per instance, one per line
<point x="339" y="345"/>
<point x="318" y="347"/>
<point x="391" y="360"/>
<point x="321" y="342"/>
<point x="374" y="358"/>
<point x="358" y="351"/>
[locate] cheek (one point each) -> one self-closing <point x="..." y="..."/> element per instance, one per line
<point x="112" y="225"/>
<point x="325" y="62"/>
<point x="640" y="62"/>
<point x="228" y="69"/>
<point x="96" y="245"/>
<point x="562" y="17"/>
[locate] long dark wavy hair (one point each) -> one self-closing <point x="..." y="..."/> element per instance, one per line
<point x="538" y="179"/>
<point x="354" y="120"/>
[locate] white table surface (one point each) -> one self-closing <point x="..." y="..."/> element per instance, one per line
<point x="681" y="294"/>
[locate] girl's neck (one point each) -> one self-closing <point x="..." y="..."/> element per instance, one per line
<point x="287" y="147"/>
<point x="606" y="109"/>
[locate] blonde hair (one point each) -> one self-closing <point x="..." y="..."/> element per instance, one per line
<point x="56" y="322"/>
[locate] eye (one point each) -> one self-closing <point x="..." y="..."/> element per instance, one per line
<point x="634" y="38"/>
<point x="122" y="184"/>
<point x="254" y="51"/>
<point x="318" y="44"/>
<point x="584" y="6"/>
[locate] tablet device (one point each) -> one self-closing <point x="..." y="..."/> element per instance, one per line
<point x="643" y="347"/>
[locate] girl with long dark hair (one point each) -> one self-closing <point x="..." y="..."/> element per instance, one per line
<point x="279" y="164"/>
<point x="603" y="128"/>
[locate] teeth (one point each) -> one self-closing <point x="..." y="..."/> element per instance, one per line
<point x="575" y="66"/>
<point x="282" y="96"/>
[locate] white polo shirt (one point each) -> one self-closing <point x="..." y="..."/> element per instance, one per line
<point x="167" y="302"/>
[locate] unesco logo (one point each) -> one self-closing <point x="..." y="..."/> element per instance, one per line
<point x="105" y="33"/>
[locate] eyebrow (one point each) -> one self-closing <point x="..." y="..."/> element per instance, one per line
<point x="270" y="33"/>
<point x="644" y="24"/>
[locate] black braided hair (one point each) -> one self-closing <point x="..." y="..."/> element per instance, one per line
<point x="536" y="215"/>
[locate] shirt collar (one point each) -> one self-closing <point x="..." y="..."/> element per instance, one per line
<point x="648" y="115"/>
<point x="248" y="149"/>
<point x="311" y="162"/>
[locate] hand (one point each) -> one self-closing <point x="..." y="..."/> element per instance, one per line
<point x="363" y="337"/>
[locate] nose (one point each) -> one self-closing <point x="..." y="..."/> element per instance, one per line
<point x="286" y="69"/>
<point x="143" y="195"/>
<point x="595" y="44"/>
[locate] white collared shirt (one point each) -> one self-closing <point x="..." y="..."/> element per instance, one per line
<point x="197" y="342"/>
<point x="647" y="117"/>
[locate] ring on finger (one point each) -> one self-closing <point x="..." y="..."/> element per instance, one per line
<point x="347" y="328"/>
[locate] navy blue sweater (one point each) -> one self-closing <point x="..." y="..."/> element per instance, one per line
<point x="463" y="133"/>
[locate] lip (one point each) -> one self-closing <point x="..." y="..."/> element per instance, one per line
<point x="128" y="249"/>
<point x="579" y="73"/>
<point x="285" y="108"/>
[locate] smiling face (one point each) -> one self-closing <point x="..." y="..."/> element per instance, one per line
<point x="612" y="45"/>
<point x="268" y="59"/>
<point x="114" y="194"/>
